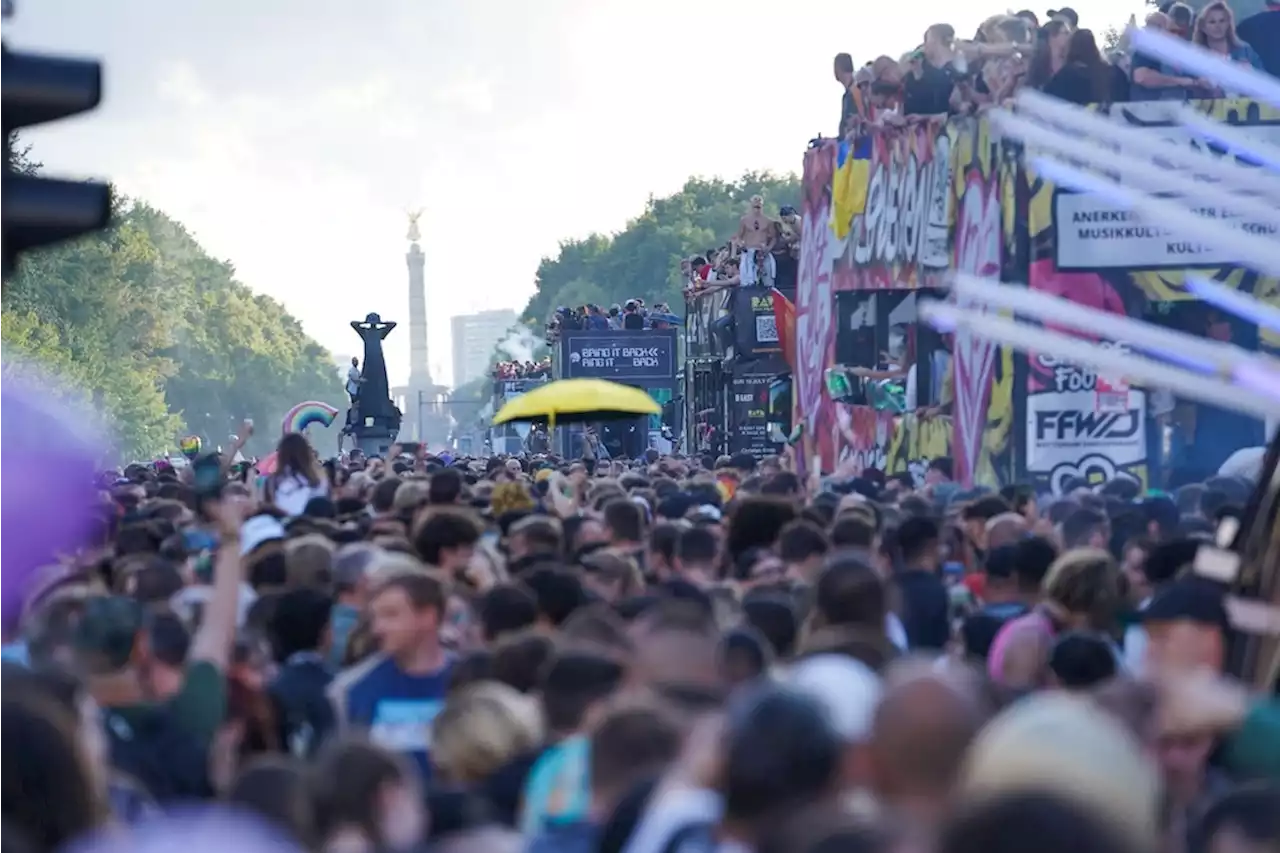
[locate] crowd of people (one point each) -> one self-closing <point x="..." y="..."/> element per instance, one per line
<point x="950" y="76"/>
<point x="632" y="315"/>
<point x="504" y="370"/>
<point x="667" y="653"/>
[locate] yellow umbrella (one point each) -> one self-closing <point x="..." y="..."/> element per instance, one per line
<point x="577" y="400"/>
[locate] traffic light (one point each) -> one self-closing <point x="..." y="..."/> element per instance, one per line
<point x="37" y="211"/>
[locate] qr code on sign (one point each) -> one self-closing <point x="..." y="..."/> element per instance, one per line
<point x="767" y="330"/>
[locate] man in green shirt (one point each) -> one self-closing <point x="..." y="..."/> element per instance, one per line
<point x="164" y="744"/>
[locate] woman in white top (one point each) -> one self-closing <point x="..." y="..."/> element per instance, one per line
<point x="298" y="476"/>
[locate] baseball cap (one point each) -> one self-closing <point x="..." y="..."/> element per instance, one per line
<point x="258" y="531"/>
<point x="1191" y="599"/>
<point x="1067" y="13"/>
<point x="847" y="689"/>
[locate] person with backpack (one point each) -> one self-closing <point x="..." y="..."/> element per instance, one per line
<point x="164" y="744"/>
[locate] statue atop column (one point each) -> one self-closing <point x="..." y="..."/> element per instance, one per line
<point x="373" y="419"/>
<point x="414" y="234"/>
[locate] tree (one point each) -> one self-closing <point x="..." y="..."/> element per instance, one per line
<point x="643" y="259"/>
<point x="159" y="337"/>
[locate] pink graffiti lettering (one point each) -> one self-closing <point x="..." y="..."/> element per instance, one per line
<point x="978" y="250"/>
<point x="814" y="331"/>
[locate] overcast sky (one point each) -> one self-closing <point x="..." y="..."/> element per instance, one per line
<point x="291" y="136"/>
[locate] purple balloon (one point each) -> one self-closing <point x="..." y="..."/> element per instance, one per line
<point x="47" y="490"/>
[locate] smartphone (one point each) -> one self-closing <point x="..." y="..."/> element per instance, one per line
<point x="207" y="478"/>
<point x="410" y="447"/>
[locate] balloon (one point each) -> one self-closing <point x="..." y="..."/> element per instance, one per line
<point x="190" y="446"/>
<point x="305" y="414"/>
<point x="48" y="456"/>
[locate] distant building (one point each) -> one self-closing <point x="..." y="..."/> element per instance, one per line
<point x="474" y="337"/>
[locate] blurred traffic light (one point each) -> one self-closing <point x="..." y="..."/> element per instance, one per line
<point x="35" y="210"/>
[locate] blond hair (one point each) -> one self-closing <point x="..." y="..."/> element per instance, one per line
<point x="1084" y="582"/>
<point x="481" y="728"/>
<point x="1198" y="36"/>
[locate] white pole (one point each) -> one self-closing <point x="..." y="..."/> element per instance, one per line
<point x="1216" y="357"/>
<point x="1234" y="302"/>
<point x="1143" y="175"/>
<point x="1233" y="139"/>
<point x="1139" y="371"/>
<point x="1033" y="104"/>
<point x="1232" y="77"/>
<point x="1249" y="251"/>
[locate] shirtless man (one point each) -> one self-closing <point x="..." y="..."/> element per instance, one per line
<point x="756" y="237"/>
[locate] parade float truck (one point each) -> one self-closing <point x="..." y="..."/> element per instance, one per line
<point x="888" y="217"/>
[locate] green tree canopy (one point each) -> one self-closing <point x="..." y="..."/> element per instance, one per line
<point x="141" y="323"/>
<point x="643" y="259"/>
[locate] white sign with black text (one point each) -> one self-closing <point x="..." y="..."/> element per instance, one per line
<point x="1064" y="428"/>
<point x="1070" y="436"/>
<point x="1093" y="234"/>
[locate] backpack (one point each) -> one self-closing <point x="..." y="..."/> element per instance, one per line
<point x="170" y="763"/>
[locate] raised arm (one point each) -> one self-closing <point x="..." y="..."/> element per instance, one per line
<point x="245" y="433"/>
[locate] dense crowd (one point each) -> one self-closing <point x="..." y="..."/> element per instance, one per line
<point x="663" y="654"/>
<point x="949" y="76"/>
<point x="633" y="315"/>
<point x="522" y="369"/>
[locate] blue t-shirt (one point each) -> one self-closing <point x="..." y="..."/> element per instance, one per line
<point x="557" y="790"/>
<point x="398" y="709"/>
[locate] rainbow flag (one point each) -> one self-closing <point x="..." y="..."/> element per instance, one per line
<point x="849" y="184"/>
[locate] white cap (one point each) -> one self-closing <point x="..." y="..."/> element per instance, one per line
<point x="258" y="531"/>
<point x="848" y="689"/>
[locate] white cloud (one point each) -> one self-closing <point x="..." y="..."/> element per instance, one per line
<point x="180" y="84"/>
<point x="470" y="94"/>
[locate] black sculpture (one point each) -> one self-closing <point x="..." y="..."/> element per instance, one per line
<point x="374" y="420"/>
